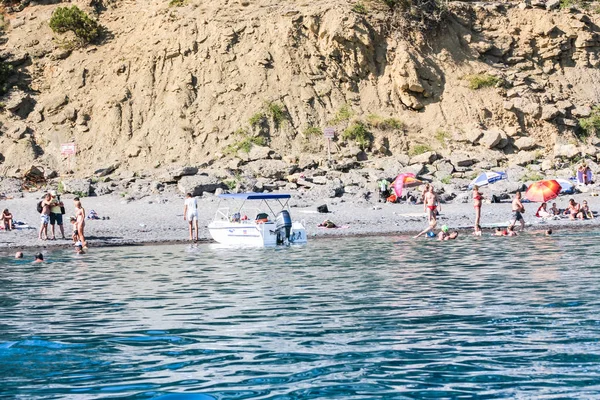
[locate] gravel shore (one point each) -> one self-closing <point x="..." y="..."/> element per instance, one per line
<point x="159" y="219"/>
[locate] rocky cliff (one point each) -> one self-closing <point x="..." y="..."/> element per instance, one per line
<point x="245" y="89"/>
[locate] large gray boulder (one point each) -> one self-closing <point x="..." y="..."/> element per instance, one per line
<point x="104" y="188"/>
<point x="19" y="103"/>
<point x="491" y="138"/>
<point x="416" y="169"/>
<point x="549" y="112"/>
<point x="524" y="158"/>
<point x="272" y="169"/>
<point x="425" y="158"/>
<point x="78" y="187"/>
<point x="10" y="186"/>
<point x="256" y="153"/>
<point x="582" y="111"/>
<point x="106" y="170"/>
<point x="566" y="150"/>
<point x="54" y="103"/>
<point x="177" y="173"/>
<point x="333" y="188"/>
<point x="525" y="143"/>
<point x="443" y="168"/>
<point x="198" y="184"/>
<point x="474" y="135"/>
<point x="459" y="159"/>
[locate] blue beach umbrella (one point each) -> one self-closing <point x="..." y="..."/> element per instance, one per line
<point x="485" y="178"/>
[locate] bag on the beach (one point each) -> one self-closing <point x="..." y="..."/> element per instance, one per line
<point x="323" y="209"/>
<point x="62" y="208"/>
<point x="39" y="207"/>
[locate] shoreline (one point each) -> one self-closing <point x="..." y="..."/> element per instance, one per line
<point x="158" y="220"/>
<point x="563" y="224"/>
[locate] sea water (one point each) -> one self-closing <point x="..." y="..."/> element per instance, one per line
<point x="356" y="318"/>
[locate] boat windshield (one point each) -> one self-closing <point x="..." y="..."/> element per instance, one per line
<point x="263" y="213"/>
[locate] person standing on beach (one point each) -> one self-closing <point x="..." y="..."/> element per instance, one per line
<point x="80" y="220"/>
<point x="190" y="214"/>
<point x="477" y="201"/>
<point x="517" y="210"/>
<point x="424" y="192"/>
<point x="431" y="204"/>
<point x="56" y="215"/>
<point x="45" y="217"/>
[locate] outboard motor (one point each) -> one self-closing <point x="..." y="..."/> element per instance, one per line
<point x="283" y="225"/>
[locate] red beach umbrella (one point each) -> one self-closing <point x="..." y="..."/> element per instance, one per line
<point x="543" y="191"/>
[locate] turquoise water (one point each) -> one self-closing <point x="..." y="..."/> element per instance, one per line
<point x="360" y="318"/>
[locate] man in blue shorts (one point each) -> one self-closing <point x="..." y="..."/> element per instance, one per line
<point x="517" y="210"/>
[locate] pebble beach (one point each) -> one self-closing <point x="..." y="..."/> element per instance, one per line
<point x="158" y="219"/>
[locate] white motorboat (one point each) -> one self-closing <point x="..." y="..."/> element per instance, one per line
<point x="256" y="226"/>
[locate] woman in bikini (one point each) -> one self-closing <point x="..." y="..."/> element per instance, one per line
<point x="477" y="200"/>
<point x="80" y="220"/>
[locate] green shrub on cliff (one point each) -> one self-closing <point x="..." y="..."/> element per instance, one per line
<point x="418" y="15"/>
<point x="419" y="149"/>
<point x="359" y="133"/>
<point x="360" y="8"/>
<point x="277" y="113"/>
<point x="342" y="115"/>
<point x="245" y="144"/>
<point x="591" y="124"/>
<point x="72" y="19"/>
<point x="257" y="119"/>
<point x="385" y="124"/>
<point x="313" y="131"/>
<point x="479" y="81"/>
<point x="5" y="71"/>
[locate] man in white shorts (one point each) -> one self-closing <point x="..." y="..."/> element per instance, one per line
<point x="190" y="214"/>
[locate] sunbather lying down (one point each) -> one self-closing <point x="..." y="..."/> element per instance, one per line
<point x="327" y="224"/>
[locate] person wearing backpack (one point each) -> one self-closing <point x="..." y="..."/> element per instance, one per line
<point x="56" y="214"/>
<point x="44" y="216"/>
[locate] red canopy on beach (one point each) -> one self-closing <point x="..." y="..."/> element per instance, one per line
<point x="405" y="180"/>
<point x="543" y="191"/>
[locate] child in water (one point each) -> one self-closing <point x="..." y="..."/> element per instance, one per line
<point x="75" y="235"/>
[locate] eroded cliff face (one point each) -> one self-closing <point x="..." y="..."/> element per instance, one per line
<point x="181" y="85"/>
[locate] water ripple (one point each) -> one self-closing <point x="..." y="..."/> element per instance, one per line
<point x="344" y="318"/>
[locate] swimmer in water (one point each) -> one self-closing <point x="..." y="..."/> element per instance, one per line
<point x="39" y="258"/>
<point x="444" y="233"/>
<point x="432" y="225"/>
<point x="450" y="236"/>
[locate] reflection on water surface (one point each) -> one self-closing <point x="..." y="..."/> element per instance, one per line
<point x="343" y="318"/>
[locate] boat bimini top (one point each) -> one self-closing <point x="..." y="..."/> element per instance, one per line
<point x="257" y="196"/>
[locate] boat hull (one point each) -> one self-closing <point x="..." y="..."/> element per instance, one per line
<point x="252" y="234"/>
